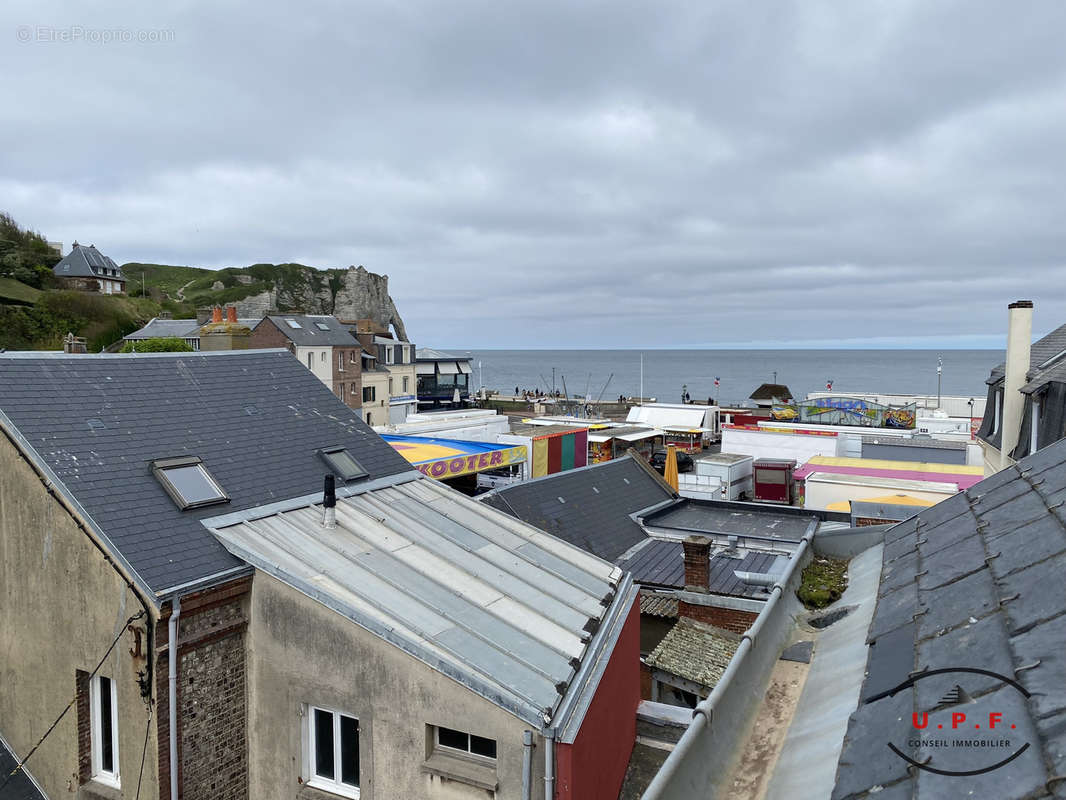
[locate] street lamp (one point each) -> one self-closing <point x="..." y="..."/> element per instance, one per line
<point x="939" y="369"/>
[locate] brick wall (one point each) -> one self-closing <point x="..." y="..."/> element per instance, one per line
<point x="729" y="618"/>
<point x="267" y="335"/>
<point x="212" y="696"/>
<point x="645" y="681"/>
<point x="85" y="753"/>
<point x="351" y="378"/>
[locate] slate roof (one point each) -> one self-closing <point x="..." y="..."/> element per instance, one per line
<point x="595" y="504"/>
<point x="180" y="328"/>
<point x="85" y="261"/>
<point x="156" y="328"/>
<point x="1043" y="350"/>
<point x="976" y="580"/>
<point x="658" y="606"/>
<point x="771" y="391"/>
<point x="496" y="604"/>
<point x="310" y="335"/>
<point x="21" y="786"/>
<point x="662" y="563"/>
<point x="256" y="418"/>
<point x="695" y="651"/>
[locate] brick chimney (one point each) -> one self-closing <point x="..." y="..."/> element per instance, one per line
<point x="1019" y="340"/>
<point x="231" y="313"/>
<point x="203" y="315"/>
<point x="697" y="563"/>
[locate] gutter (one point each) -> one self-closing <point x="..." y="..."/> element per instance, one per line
<point x="703" y="714"/>
<point x="172" y="669"/>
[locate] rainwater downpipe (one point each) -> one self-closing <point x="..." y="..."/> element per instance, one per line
<point x="172" y="670"/>
<point x="527" y="765"/>
<point x="549" y="764"/>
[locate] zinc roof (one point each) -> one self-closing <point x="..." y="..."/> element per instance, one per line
<point x="496" y="604"/>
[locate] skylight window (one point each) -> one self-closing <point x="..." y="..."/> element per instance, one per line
<point x="322" y="326"/>
<point x="188" y="482"/>
<point x="292" y="323"/>
<point x="343" y="463"/>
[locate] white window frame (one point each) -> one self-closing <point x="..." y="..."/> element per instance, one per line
<point x="99" y="774"/>
<point x="318" y="782"/>
<point x="390" y="354"/>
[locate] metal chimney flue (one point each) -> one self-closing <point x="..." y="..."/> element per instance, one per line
<point x="329" y="503"/>
<point x="1019" y="341"/>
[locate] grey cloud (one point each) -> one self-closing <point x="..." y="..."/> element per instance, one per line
<point x="600" y="173"/>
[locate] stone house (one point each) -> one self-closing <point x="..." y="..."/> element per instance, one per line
<point x="225" y="628"/>
<point x="87" y="269"/>
<point x="322" y="345"/>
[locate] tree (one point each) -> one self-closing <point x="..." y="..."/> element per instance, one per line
<point x="163" y="344"/>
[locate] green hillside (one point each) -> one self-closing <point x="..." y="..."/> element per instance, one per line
<point x="35" y="313"/>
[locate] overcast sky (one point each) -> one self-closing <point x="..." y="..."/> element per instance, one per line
<point x="554" y="173"/>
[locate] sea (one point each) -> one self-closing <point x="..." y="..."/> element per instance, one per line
<point x="668" y="373"/>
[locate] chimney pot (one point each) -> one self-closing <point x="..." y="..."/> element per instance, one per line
<point x="697" y="563"/>
<point x="329" y="502"/>
<point x="1019" y="342"/>
<point x="231" y="313"/>
<point x="216" y="314"/>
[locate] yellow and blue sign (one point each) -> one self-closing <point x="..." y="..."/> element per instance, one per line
<point x="450" y="458"/>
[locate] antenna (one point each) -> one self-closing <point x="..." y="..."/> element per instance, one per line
<point x="641" y="399"/>
<point x="604" y="389"/>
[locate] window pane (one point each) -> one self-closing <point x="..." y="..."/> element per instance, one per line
<point x="192" y="484"/>
<point x="482" y="747"/>
<point x="323" y="744"/>
<point x="449" y="738"/>
<point x="349" y="751"/>
<point x="107" y="753"/>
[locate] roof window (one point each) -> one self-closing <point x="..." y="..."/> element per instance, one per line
<point x="188" y="482"/>
<point x="322" y="326"/>
<point x="292" y="323"/>
<point x="343" y="463"/>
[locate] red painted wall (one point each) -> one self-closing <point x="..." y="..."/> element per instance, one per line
<point x="594" y="766"/>
<point x="581" y="448"/>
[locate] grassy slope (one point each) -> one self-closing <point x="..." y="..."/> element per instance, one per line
<point x="16" y="290"/>
<point x="104" y="320"/>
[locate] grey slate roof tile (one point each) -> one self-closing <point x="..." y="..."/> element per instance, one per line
<point x="1017" y="780"/>
<point x="20" y="786"/>
<point x="155" y="406"/>
<point x="952" y="605"/>
<point x="1036" y="540"/>
<point x="893" y="610"/>
<point x="865" y="760"/>
<point x="1017" y="601"/>
<point x="949" y="564"/>
<point x="981" y="643"/>
<point x="1045" y="643"/>
<point x="1041" y="593"/>
<point x="599" y="500"/>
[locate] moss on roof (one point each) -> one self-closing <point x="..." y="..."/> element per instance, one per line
<point x="695" y="651"/>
